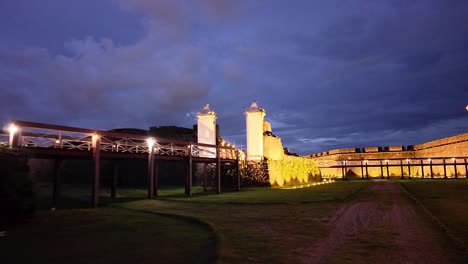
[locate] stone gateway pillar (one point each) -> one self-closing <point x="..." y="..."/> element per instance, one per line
<point x="254" y="116"/>
<point x="207" y="131"/>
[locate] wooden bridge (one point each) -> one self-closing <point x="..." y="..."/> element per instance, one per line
<point x="63" y="142"/>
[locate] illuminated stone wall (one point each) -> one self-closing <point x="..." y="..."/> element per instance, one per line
<point x="292" y="170"/>
<point x="272" y="146"/>
<point x="447" y="148"/>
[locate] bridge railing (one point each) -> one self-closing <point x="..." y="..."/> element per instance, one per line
<point x="40" y="135"/>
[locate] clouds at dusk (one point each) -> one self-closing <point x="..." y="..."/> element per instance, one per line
<point x="329" y="74"/>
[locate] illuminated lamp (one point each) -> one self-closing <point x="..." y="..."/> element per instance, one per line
<point x="150" y="142"/>
<point x="13" y="129"/>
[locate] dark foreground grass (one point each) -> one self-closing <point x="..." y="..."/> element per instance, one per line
<point x="261" y="225"/>
<point x="108" y="235"/>
<point x="447" y="200"/>
<point x="256" y="225"/>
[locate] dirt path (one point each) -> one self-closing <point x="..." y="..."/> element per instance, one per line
<point x="383" y="225"/>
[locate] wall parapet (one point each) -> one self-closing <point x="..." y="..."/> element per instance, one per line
<point x="442" y="142"/>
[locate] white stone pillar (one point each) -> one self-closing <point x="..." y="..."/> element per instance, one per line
<point x="254" y="121"/>
<point x="207" y="131"/>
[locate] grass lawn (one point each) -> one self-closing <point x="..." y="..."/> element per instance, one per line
<point x="107" y="235"/>
<point x="447" y="200"/>
<point x="255" y="225"/>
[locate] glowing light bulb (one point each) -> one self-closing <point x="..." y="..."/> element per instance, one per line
<point x="13" y="128"/>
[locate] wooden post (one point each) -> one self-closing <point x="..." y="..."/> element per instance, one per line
<point x="156" y="177"/>
<point x="218" y="170"/>
<point x="362" y="171"/>
<point x="388" y="173"/>
<point x="455" y="168"/>
<point x="205" y="177"/>
<point x="367" y="171"/>
<point x="56" y="183"/>
<point x="188" y="182"/>
<point x="466" y="169"/>
<point x="430" y="167"/>
<point x="342" y="170"/>
<point x="445" y="170"/>
<point x="345" y="170"/>
<point x="115" y="175"/>
<point x="237" y="171"/>
<point x="409" y="169"/>
<point x="150" y="171"/>
<point x="422" y="169"/>
<point x="381" y="170"/>
<point x="96" y="170"/>
<point x="401" y="170"/>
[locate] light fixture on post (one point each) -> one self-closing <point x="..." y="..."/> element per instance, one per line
<point x="12" y="128"/>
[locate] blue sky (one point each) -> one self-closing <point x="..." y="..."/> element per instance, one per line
<point x="330" y="74"/>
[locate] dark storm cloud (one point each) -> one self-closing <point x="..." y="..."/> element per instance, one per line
<point x="329" y="73"/>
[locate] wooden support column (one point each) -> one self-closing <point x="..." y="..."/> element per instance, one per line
<point x="156" y="177"/>
<point x="205" y="177"/>
<point x="56" y="183"/>
<point x="362" y="171"/>
<point x="388" y="173"/>
<point x="188" y="180"/>
<point x="445" y="170"/>
<point x="150" y="171"/>
<point x="430" y="167"/>
<point x="96" y="170"/>
<point x="381" y="170"/>
<point x="455" y="168"/>
<point x="466" y="169"/>
<point x="237" y="171"/>
<point x="367" y="171"/>
<point x="342" y="170"/>
<point x="409" y="168"/>
<point x="401" y="170"/>
<point x="422" y="169"/>
<point x="218" y="170"/>
<point x="115" y="175"/>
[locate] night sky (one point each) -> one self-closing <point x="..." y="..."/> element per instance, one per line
<point x="329" y="74"/>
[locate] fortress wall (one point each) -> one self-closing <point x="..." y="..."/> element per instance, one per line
<point x="448" y="147"/>
<point x="272" y="148"/>
<point x="292" y="170"/>
<point x="456" y="146"/>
